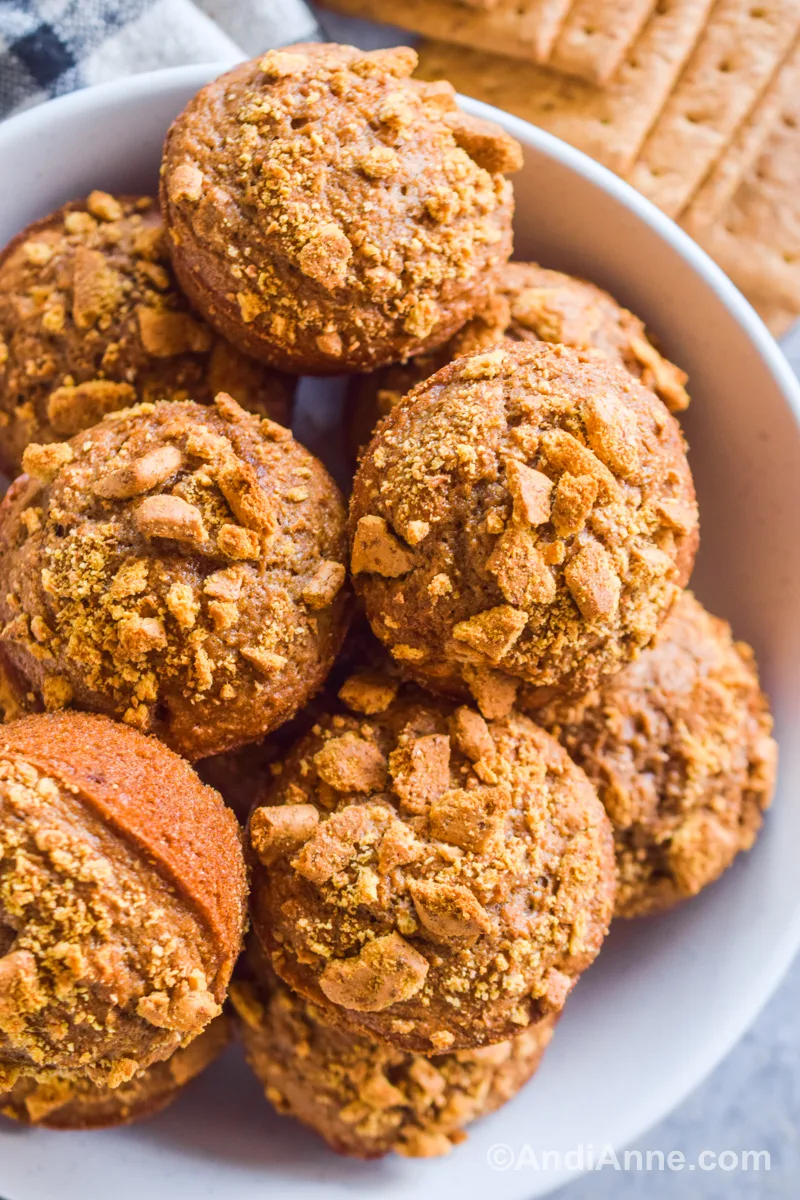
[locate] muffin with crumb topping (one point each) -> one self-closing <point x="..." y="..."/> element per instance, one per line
<point x="328" y="213"/>
<point x="680" y="748"/>
<point x="527" y="513"/>
<point x="179" y="567"/>
<point x="366" y="1098"/>
<point x="427" y="877"/>
<point x="68" y="1102"/>
<point x="91" y="320"/>
<point x="122" y="905"/>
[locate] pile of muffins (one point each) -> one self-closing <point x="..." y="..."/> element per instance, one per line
<point x="463" y="725"/>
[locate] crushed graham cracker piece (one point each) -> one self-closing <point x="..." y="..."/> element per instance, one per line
<point x="471" y="819"/>
<point x="324" y="585"/>
<point x="420" y="771"/>
<point x="140" y="475"/>
<point x="44" y="462"/>
<point x="530" y="492"/>
<point x="236" y="542"/>
<point x="275" y="831"/>
<point x="449" y="912"/>
<point x="350" y="764"/>
<point x="492" y="632"/>
<point x="471" y="734"/>
<point x="368" y="694"/>
<point x="376" y="549"/>
<point x="171" y="517"/>
<point x="385" y="972"/>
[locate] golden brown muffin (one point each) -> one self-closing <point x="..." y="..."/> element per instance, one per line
<point x="327" y="213"/>
<point x="430" y="879"/>
<point x="363" y="1097"/>
<point x="122" y="900"/>
<point x="64" y="1102"/>
<point x="679" y="748"/>
<point x="527" y="513"/>
<point x="179" y="567"/>
<point x="529" y="304"/>
<point x="91" y="321"/>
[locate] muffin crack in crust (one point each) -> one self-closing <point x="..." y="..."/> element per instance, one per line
<point x="328" y="213"/>
<point x="91" y="321"/>
<point x="430" y="878"/>
<point x="179" y="567"/>
<point x="541" y="518"/>
<point x="679" y="747"/>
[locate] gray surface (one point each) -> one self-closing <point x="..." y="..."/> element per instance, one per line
<point x="751" y="1102"/>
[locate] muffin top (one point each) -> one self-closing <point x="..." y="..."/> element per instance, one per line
<point x="122" y="900"/>
<point x="366" y="1098"/>
<point x="177" y="566"/>
<point x="329" y="213"/>
<point x="428" y="878"/>
<point x="679" y="747"/>
<point x="529" y="303"/>
<point x="91" y="320"/>
<point x="527" y="513"/>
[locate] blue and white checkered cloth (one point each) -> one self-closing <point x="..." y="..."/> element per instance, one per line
<point x="48" y="47"/>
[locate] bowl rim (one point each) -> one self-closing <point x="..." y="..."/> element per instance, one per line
<point x="731" y="1026"/>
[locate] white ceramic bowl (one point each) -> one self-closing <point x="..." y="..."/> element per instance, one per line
<point x="669" y="996"/>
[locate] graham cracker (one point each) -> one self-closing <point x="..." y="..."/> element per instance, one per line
<point x="733" y="63"/>
<point x="757" y="238"/>
<point x="596" y="36"/>
<point x="610" y="125"/>
<point x="777" y="318"/>
<point x="521" y="28"/>
<point x="721" y="183"/>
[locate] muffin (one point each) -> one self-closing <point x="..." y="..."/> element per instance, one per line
<point x="679" y="748"/>
<point x="528" y="513"/>
<point x="327" y="213"/>
<point x="91" y="320"/>
<point x="426" y="878"/>
<point x="178" y="567"/>
<point x="69" y="1103"/>
<point x="122" y="901"/>
<point x="366" y="1098"/>
<point x="528" y="304"/>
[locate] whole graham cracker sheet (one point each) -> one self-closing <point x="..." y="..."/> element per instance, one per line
<point x="525" y="29"/>
<point x="609" y="124"/>
<point x="720" y="185"/>
<point x="732" y="65"/>
<point x="596" y="36"/>
<point x="757" y="238"/>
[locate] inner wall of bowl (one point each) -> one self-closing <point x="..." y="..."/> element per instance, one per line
<point x="668" y="996"/>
